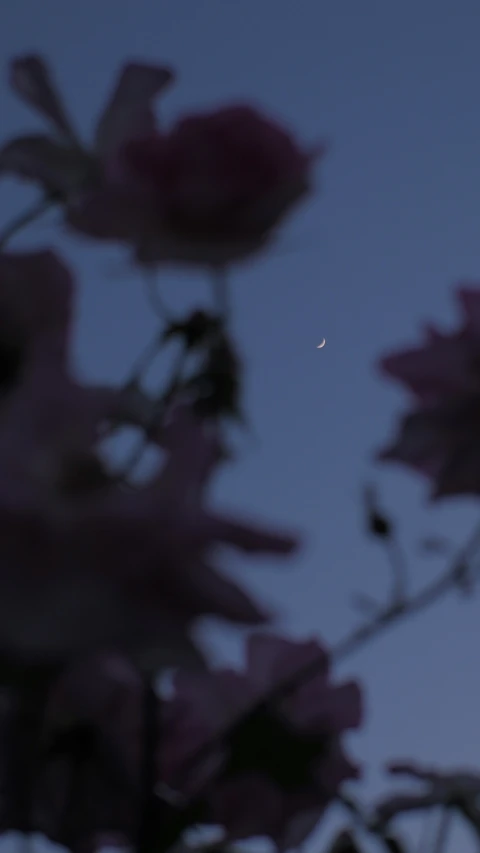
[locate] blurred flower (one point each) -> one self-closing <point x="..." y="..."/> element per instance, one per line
<point x="35" y="313"/>
<point x="440" y="436"/>
<point x="283" y="763"/>
<point x="86" y="792"/>
<point x="86" y="564"/>
<point x="211" y="191"/>
<point x="275" y="775"/>
<point x="60" y="163"/>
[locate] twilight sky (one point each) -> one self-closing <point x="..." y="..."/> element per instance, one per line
<point x="395" y="224"/>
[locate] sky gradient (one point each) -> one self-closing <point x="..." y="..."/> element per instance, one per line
<point x="395" y="224"/>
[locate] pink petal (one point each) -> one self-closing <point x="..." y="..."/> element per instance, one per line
<point x="35" y="302"/>
<point x="30" y="79"/>
<point x="441" y="443"/>
<point x="115" y="213"/>
<point x="213" y="594"/>
<point x="193" y="454"/>
<point x="319" y="707"/>
<point x="248" y="806"/>
<point x="131" y="215"/>
<point x="443" y="367"/>
<point x="129" y="110"/>
<point x="272" y="659"/>
<point x="46" y="417"/>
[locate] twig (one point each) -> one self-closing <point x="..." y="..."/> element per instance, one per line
<point x="448" y="580"/>
<point x="391" y="614"/>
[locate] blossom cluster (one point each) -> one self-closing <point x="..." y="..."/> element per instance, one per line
<point x="103" y="581"/>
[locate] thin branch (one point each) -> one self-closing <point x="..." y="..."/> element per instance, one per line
<point x="391" y="614"/>
<point x="431" y="593"/>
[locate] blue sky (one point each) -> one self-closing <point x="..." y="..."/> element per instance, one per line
<point x="394" y="225"/>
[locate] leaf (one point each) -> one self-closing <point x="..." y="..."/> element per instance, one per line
<point x="217" y="383"/>
<point x="30" y="79"/>
<point x="129" y="110"/>
<point x="38" y="158"/>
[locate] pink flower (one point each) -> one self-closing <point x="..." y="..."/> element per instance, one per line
<point x="211" y="191"/>
<point x="275" y="776"/>
<point x="87" y="565"/>
<point x="439" y="437"/>
<point x="60" y="162"/>
<point x="35" y="313"/>
<point x="86" y="794"/>
<point x="284" y="764"/>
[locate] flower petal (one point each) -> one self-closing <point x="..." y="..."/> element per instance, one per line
<point x="217" y="596"/>
<point x="443" y="367"/>
<point x="129" y="109"/>
<point x="271" y="659"/>
<point x="114" y="213"/>
<point x="35" y="302"/>
<point x="441" y="442"/>
<point x="30" y="79"/>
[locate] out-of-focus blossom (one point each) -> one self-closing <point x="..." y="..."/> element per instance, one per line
<point x="59" y="161"/>
<point x="211" y="191"/>
<point x="35" y="313"/>
<point x="275" y="775"/>
<point x="439" y="437"/>
<point x="86" y="795"/>
<point x="86" y="564"/>
<point x="284" y="764"/>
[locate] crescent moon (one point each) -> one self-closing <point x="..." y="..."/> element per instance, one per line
<point x="320" y="346"/>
